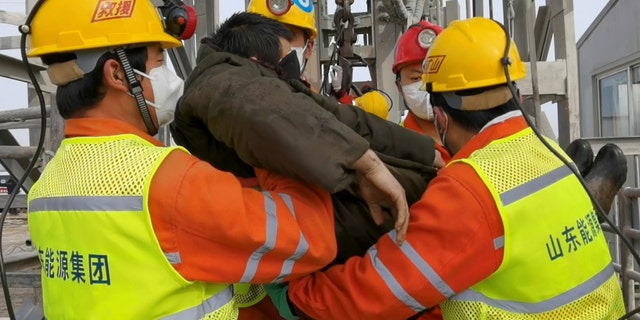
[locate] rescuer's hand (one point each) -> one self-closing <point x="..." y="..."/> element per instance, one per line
<point x="379" y="188"/>
<point x="335" y="72"/>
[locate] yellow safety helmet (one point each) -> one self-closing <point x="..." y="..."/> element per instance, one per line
<point x="373" y="102"/>
<point x="468" y="54"/>
<point x="69" y="26"/>
<point x="297" y="13"/>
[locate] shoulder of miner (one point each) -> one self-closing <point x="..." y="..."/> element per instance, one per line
<point x="327" y="103"/>
<point x="384" y="136"/>
<point x="201" y="99"/>
<point x="266" y="113"/>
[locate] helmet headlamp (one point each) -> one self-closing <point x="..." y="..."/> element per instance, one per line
<point x="279" y="7"/>
<point x="426" y="37"/>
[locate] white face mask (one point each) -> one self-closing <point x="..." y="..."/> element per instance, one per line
<point x="417" y="101"/>
<point x="300" y="54"/>
<point x="167" y="89"/>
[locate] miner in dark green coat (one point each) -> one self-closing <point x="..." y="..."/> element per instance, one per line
<point x="244" y="107"/>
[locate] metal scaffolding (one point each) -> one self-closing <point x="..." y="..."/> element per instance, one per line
<point x="376" y="32"/>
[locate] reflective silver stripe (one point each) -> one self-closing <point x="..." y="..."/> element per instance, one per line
<point x="426" y="270"/>
<point x="550" y="304"/>
<point x="510" y="196"/>
<point x="87" y="203"/>
<point x="173" y="257"/>
<point x="208" y="306"/>
<point x="269" y="243"/>
<point x="301" y="249"/>
<point x="498" y="242"/>
<point x="392" y="283"/>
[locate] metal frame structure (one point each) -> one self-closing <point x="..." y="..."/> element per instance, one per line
<point x="629" y="276"/>
<point x="379" y="27"/>
<point x="547" y="81"/>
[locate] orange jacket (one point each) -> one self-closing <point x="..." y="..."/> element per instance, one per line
<point x="343" y="97"/>
<point x="412" y="122"/>
<point x="218" y="226"/>
<point x="451" y="230"/>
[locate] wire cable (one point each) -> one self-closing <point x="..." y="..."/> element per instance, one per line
<point x="332" y="60"/>
<point x="25" y="30"/>
<point x="505" y="64"/>
<point x="630" y="313"/>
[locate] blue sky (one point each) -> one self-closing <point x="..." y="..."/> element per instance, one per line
<point x="14" y="93"/>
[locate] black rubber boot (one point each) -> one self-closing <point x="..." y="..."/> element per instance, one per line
<point x="580" y="152"/>
<point x="607" y="175"/>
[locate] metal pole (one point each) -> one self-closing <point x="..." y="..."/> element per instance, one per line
<point x="16" y="152"/>
<point x="411" y="10"/>
<point x="491" y="9"/>
<point x="565" y="49"/>
<point x="439" y="13"/>
<point x="533" y="59"/>
<point x="452" y="11"/>
<point x="478" y="8"/>
<point x="19" y="115"/>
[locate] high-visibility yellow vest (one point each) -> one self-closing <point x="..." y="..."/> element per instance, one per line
<point x="89" y="220"/>
<point x="248" y="295"/>
<point x="556" y="261"/>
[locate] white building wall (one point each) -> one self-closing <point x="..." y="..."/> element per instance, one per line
<point x="611" y="43"/>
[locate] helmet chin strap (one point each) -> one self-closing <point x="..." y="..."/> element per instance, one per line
<point x="136" y="91"/>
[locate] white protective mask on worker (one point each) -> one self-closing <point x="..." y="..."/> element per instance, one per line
<point x="417" y="100"/>
<point x="167" y="89"/>
<point x="300" y="54"/>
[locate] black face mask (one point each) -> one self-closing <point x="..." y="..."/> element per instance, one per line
<point x="290" y="66"/>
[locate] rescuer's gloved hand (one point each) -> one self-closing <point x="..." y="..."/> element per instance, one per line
<point x="278" y="294"/>
<point x="335" y="71"/>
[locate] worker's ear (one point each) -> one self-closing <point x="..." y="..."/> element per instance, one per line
<point x="114" y="76"/>
<point x="309" y="50"/>
<point x="440" y="119"/>
<point x="399" y="85"/>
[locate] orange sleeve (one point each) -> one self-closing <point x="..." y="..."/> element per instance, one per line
<point x="346" y="99"/>
<point x="343" y="97"/>
<point x="224" y="233"/>
<point x="446" y="157"/>
<point x="448" y="248"/>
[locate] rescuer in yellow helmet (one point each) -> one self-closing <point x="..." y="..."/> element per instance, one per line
<point x="299" y="17"/>
<point x="374" y="101"/>
<point x="115" y="213"/>
<point x="516" y="220"/>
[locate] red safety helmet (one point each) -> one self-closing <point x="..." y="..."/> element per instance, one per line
<point x="413" y="44"/>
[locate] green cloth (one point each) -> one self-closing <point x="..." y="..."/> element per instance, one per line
<point x="278" y="294"/>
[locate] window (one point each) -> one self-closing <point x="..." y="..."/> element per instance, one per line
<point x="614" y="105"/>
